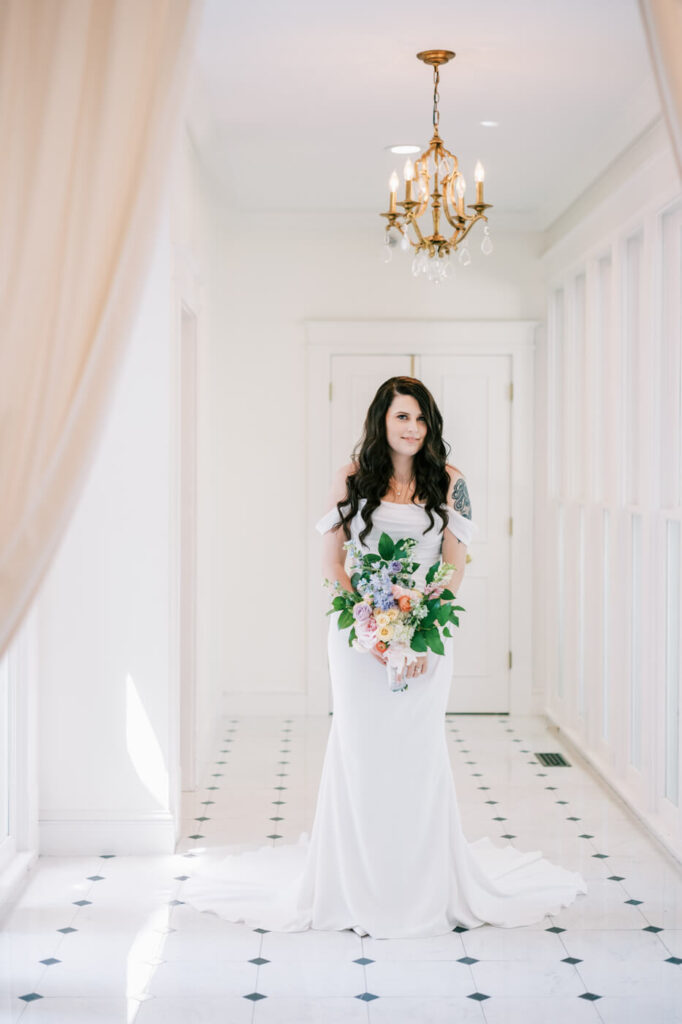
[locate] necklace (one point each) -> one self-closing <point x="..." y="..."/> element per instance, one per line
<point x="398" y="493"/>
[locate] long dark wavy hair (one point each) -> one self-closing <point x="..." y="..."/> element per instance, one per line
<point x="375" y="466"/>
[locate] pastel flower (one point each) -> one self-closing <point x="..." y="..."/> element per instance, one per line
<point x="366" y="633"/>
<point x="385" y="632"/>
<point x="362" y="611"/>
<point x="381" y="619"/>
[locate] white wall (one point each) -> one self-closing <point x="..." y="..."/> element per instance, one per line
<point x="103" y="615"/>
<point x="107" y="614"/>
<point x="270" y="275"/>
<point x="610" y="473"/>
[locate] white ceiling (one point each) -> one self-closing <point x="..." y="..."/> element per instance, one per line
<point x="294" y="101"/>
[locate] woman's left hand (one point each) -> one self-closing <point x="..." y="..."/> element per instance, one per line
<point x="417" y="668"/>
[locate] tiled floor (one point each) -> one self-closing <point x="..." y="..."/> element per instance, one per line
<point x="108" y="939"/>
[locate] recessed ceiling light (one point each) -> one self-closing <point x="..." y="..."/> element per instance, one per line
<point x="490" y="124"/>
<point x="404" y="149"/>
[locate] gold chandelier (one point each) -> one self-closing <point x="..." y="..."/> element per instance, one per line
<point x="434" y="181"/>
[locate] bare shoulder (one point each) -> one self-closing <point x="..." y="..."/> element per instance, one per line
<point x="458" y="492"/>
<point x="337" y="490"/>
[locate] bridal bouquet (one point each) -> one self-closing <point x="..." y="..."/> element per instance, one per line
<point x="385" y="611"/>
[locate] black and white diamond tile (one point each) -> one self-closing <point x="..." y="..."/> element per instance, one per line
<point x="96" y="935"/>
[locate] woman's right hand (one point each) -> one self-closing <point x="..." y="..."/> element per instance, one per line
<point x="378" y="655"/>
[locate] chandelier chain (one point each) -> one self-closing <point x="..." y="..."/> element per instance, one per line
<point x="436" y="97"/>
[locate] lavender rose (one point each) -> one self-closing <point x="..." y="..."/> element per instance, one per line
<point x="395" y="567"/>
<point x="362" y="611"/>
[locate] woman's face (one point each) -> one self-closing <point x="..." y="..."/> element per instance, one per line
<point x="405" y="425"/>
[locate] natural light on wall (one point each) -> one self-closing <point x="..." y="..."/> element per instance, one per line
<point x="143" y="746"/>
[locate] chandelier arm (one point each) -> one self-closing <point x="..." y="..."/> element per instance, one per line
<point x="479" y="216"/>
<point x="417" y="229"/>
<point x="422" y="208"/>
<point x="446" y="210"/>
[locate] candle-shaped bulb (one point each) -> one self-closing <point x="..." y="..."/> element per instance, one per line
<point x="393" y="182"/>
<point x="479" y="174"/>
<point x="461" y="186"/>
<point x="408" y="170"/>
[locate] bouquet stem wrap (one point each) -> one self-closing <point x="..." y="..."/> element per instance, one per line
<point x="398" y="658"/>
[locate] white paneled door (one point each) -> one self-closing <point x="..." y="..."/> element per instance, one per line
<point x="474" y="395"/>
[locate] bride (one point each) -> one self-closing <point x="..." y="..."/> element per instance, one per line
<point x="387" y="855"/>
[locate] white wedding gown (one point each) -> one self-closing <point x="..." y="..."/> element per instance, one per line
<point x="386" y="855"/>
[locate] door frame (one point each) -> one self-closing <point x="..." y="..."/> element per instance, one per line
<point x="185" y="740"/>
<point x="514" y="338"/>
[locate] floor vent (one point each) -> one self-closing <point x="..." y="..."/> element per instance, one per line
<point x="552" y="759"/>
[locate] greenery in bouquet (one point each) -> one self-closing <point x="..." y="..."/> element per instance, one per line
<point x="385" y="610"/>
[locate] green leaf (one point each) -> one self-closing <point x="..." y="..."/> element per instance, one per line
<point x="432" y="637"/>
<point x="338" y="603"/>
<point x="386" y="547"/>
<point x="443" y="614"/>
<point x="447" y="595"/>
<point x="346" y="619"/>
<point x="432" y="572"/>
<point x="418" y="642"/>
<point x="351" y="637"/>
<point x="446" y="631"/>
<point x="372" y="558"/>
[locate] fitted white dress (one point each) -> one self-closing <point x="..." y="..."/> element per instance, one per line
<point x="386" y="855"/>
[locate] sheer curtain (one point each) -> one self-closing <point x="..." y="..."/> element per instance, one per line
<point x="91" y="93"/>
<point x="663" y="27"/>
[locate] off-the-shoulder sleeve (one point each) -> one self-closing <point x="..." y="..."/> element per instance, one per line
<point x="328" y="520"/>
<point x="464" y="529"/>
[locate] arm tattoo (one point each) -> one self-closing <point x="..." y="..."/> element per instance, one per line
<point x="460" y="496"/>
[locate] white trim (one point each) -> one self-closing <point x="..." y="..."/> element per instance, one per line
<point x="20" y="850"/>
<point x="654" y="824"/>
<point x="187" y="294"/>
<point x="87" y="833"/>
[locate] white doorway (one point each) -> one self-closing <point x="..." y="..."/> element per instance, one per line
<point x="475" y="373"/>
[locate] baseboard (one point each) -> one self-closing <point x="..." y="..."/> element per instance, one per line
<point x="264" y="704"/>
<point x="13" y="880"/>
<point x="83" y="834"/>
<point x="667" y="842"/>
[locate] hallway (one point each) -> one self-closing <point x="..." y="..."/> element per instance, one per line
<point x="107" y="938"/>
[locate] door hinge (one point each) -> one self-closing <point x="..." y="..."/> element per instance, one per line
<point x="510" y="659"/>
<point x="511" y="391"/>
<point x="330" y="391"/>
<point x="511" y="525"/>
